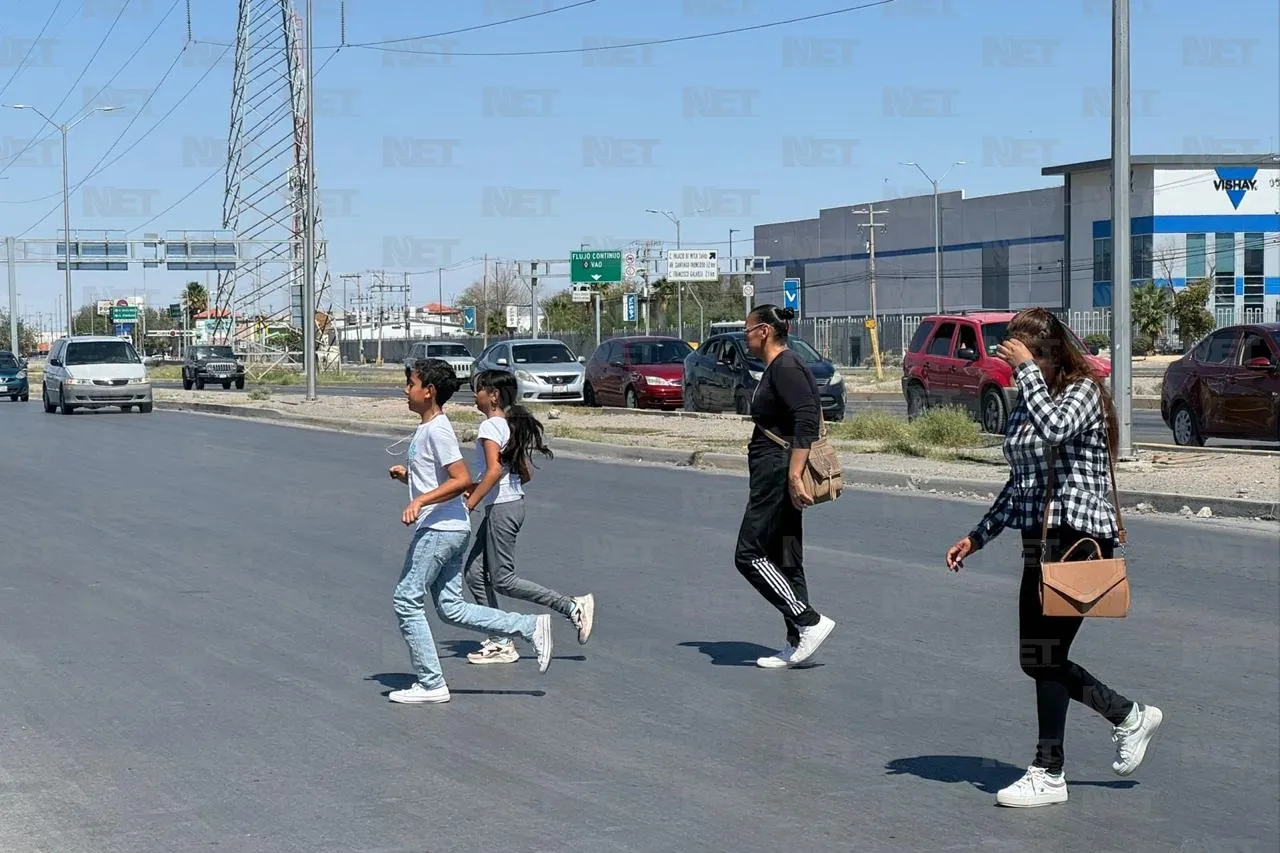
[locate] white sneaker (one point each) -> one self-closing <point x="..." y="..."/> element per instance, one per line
<point x="778" y="660"/>
<point x="1132" y="740"/>
<point x="419" y="695"/>
<point x="542" y="641"/>
<point x="1036" y="788"/>
<point x="584" y="616"/>
<point x="811" y="638"/>
<point x="495" y="650"/>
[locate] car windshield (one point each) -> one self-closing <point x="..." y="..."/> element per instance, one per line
<point x="541" y="354"/>
<point x="102" y="352"/>
<point x="658" y="352"/>
<point x="213" y="352"/>
<point x="798" y="346"/>
<point x="8" y="362"/>
<point x="448" y="351"/>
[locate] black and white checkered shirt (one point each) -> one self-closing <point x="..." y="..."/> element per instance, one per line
<point x="1074" y="423"/>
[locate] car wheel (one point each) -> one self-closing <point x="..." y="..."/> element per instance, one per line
<point x="25" y="397"/>
<point x="240" y="384"/>
<point x="1185" y="431"/>
<point x="199" y="384"/>
<point x="916" y="401"/>
<point x="994" y="416"/>
<point x="145" y="408"/>
<point x="589" y="396"/>
<point x="741" y="405"/>
<point x="186" y="383"/>
<point x="49" y="408"/>
<point x="226" y="386"/>
<point x="62" y="401"/>
<point x="630" y="400"/>
<point x="13" y="397"/>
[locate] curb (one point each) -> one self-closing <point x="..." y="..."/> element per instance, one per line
<point x="1221" y="507"/>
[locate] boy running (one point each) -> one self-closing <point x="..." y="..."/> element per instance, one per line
<point x="437" y="477"/>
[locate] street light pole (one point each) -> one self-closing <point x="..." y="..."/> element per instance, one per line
<point x="309" y="240"/>
<point x="937" y="229"/>
<point x="679" y="287"/>
<point x="64" y="129"/>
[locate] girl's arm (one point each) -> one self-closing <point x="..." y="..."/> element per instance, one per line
<point x="492" y="474"/>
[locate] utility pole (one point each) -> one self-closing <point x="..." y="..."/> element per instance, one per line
<point x="1121" y="272"/>
<point x="10" y="247"/>
<point x="746" y="300"/>
<point x="871" y="225"/>
<point x="382" y="288"/>
<point x="644" y="277"/>
<point x="484" y="298"/>
<point x="309" y="250"/>
<point x="346" y="314"/>
<point x="408" y="298"/>
<point x="533" y="297"/>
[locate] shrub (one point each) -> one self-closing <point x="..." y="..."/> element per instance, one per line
<point x="871" y="426"/>
<point x="1099" y="340"/>
<point x="947" y="427"/>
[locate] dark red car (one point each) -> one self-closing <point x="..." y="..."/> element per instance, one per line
<point x="951" y="361"/>
<point x="1227" y="386"/>
<point x="637" y="373"/>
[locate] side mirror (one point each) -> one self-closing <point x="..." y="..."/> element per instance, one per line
<point x="617" y="362"/>
<point x="1260" y="364"/>
<point x="56" y="362"/>
<point x="582" y="359"/>
<point x="966" y="354"/>
<point x="1095" y="350"/>
<point x="502" y="362"/>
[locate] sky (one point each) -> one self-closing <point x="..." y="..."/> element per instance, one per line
<point x="519" y="140"/>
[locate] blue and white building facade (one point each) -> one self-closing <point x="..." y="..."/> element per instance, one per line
<point x="1192" y="218"/>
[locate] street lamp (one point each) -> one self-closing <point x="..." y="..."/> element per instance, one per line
<point x="937" y="228"/>
<point x="64" y="129"/>
<point x="679" y="288"/>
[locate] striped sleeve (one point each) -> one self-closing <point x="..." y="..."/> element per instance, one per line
<point x="996" y="519"/>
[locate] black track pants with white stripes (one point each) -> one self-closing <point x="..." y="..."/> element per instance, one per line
<point x="770" y="552"/>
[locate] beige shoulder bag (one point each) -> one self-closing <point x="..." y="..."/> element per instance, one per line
<point x="1088" y="586"/>
<point x="823" y="474"/>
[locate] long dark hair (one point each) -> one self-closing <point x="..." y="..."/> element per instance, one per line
<point x="526" y="430"/>
<point x="1047" y="337"/>
<point x="779" y="319"/>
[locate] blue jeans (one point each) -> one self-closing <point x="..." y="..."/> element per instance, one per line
<point x="434" y="562"/>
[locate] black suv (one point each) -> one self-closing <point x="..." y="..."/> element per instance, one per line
<point x="205" y="363"/>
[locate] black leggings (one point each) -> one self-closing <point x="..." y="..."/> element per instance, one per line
<point x="770" y="552"/>
<point x="1045" y="643"/>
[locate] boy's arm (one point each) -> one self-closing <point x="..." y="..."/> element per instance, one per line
<point x="459" y="481"/>
<point x="492" y="474"/>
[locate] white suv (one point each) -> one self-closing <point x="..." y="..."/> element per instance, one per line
<point x="90" y="371"/>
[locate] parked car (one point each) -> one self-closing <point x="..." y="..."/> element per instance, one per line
<point x="546" y="370"/>
<point x="204" y="363"/>
<point x="952" y="361"/>
<point x="457" y="354"/>
<point x="90" y="371"/>
<point x="721" y="375"/>
<point x="637" y="372"/>
<point x="13" y="377"/>
<point x="1227" y="386"/>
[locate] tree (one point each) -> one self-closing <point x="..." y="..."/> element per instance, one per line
<point x="28" y="341"/>
<point x="492" y="295"/>
<point x="196" y="299"/>
<point x="1192" y="320"/>
<point x="1150" y="306"/>
<point x="561" y="314"/>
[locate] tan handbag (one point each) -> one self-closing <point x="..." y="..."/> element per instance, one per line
<point x="823" y="474"/>
<point x="1092" y="586"/>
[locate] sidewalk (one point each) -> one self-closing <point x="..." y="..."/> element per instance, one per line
<point x="1163" y="481"/>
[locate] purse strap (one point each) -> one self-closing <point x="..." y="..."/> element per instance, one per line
<point x="1051" y="454"/>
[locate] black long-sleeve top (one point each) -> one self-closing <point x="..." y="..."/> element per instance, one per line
<point x="786" y="403"/>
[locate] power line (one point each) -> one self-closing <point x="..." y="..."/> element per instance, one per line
<point x="35" y="41"/>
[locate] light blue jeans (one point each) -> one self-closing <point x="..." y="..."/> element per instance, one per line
<point x="434" y="563"/>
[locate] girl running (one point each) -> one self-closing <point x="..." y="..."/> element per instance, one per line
<point x="504" y="448"/>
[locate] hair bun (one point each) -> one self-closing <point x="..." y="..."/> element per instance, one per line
<point x="787" y="313"/>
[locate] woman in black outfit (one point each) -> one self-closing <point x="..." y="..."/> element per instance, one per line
<point x="770" y="552"/>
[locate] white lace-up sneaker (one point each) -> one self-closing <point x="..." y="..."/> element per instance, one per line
<point x="584" y="616"/>
<point x="1036" y="788"/>
<point x="1133" y="736"/>
<point x="419" y="695"/>
<point x="778" y="660"/>
<point x="495" y="650"/>
<point x="542" y="641"/>
<point x="811" y="638"/>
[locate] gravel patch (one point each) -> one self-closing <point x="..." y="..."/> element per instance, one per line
<point x="1204" y="473"/>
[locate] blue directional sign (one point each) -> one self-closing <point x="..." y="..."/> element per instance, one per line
<point x="791" y="293"/>
<point x="124" y="330"/>
<point x="630" y="308"/>
<point x="469" y="318"/>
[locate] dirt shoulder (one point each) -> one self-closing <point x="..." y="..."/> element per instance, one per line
<point x="1207" y="473"/>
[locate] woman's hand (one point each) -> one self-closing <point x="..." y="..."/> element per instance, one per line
<point x="957" y="552"/>
<point x="800" y="497"/>
<point x="399" y="472"/>
<point x="1014" y="352"/>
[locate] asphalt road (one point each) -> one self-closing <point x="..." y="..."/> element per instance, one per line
<point x="196" y="640"/>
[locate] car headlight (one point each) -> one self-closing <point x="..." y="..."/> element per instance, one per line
<point x="756" y="374"/>
<point x="836" y="379"/>
<point x="22" y="374"/>
<point x="526" y="376"/>
<point x="143" y="381"/>
<point x="71" y="380"/>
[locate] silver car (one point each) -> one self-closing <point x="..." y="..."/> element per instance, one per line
<point x="91" y="371"/>
<point x="546" y="370"/>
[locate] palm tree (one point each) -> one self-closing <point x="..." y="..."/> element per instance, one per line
<point x="196" y="299"/>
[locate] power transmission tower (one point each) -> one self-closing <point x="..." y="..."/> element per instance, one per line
<point x="267" y="168"/>
<point x="382" y="287"/>
<point x="872" y="323"/>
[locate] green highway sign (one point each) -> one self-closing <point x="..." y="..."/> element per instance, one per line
<point x="175" y="311"/>
<point x="124" y="314"/>
<point x="595" y="267"/>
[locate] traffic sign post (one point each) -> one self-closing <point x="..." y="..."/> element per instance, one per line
<point x="595" y="267"/>
<point x="124" y="314"/>
<point x="513" y="317"/>
<point x="630" y="308"/>
<point x="468" y="318"/>
<point x="629" y="264"/>
<point x="581" y="293"/>
<point x="791" y="294"/>
<point x="686" y="265"/>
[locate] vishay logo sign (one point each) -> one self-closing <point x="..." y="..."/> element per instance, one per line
<point x="1235" y="182"/>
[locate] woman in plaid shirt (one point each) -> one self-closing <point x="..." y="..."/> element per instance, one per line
<point x="1065" y="405"/>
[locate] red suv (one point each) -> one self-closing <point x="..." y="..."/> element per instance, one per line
<point x="952" y="362"/>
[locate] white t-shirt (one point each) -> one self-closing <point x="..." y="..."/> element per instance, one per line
<point x="509" y="487"/>
<point x="433" y="449"/>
